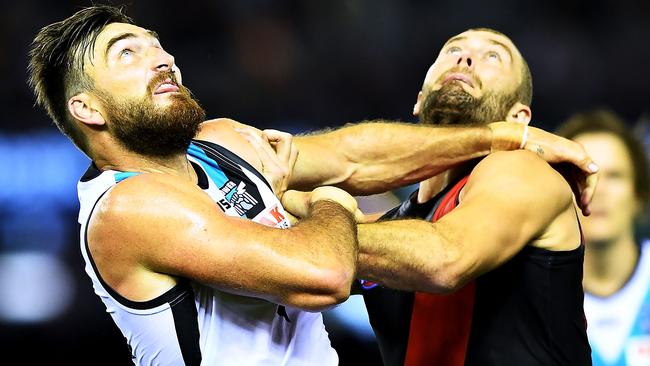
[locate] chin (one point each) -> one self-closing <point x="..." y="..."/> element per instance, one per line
<point x="598" y="239"/>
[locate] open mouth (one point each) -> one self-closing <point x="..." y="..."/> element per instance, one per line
<point x="459" y="77"/>
<point x="166" y="86"/>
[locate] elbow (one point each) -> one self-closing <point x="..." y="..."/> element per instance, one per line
<point x="325" y="289"/>
<point x="334" y="285"/>
<point x="447" y="281"/>
<point x="451" y="274"/>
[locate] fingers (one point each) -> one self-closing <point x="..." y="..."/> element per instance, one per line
<point x="285" y="149"/>
<point x="581" y="159"/>
<point x="556" y="149"/>
<point x="296" y="203"/>
<point x="588" y="193"/>
<point x="264" y="151"/>
<point x="272" y="168"/>
<point x="587" y="176"/>
<point x="282" y="141"/>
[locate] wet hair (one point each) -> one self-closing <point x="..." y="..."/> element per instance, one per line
<point x="524" y="92"/>
<point x="57" y="57"/>
<point x="606" y="121"/>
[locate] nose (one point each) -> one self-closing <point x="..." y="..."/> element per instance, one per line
<point x="465" y="58"/>
<point x="163" y="60"/>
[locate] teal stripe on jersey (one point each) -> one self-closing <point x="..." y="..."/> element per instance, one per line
<point x="123" y="175"/>
<point x="209" y="165"/>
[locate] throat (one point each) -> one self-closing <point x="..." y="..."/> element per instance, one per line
<point x="608" y="268"/>
<point x="434" y="185"/>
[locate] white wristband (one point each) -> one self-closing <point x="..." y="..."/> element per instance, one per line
<point x="524" y="138"/>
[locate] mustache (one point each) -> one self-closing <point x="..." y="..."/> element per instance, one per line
<point x="159" y="78"/>
<point x="461" y="70"/>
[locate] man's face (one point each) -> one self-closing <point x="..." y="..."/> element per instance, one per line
<point x="615" y="204"/>
<point x="473" y="80"/>
<point x="143" y="101"/>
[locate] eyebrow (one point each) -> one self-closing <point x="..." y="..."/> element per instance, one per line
<point x="492" y="41"/>
<point x="122" y="36"/>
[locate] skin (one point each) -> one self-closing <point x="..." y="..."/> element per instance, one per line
<point x="153" y="228"/>
<point x="443" y="256"/>
<point x="612" y="252"/>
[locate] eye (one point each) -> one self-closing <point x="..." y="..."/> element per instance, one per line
<point x="453" y="50"/>
<point x="493" y="55"/>
<point x="126" y="52"/>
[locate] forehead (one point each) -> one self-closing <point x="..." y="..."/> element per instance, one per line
<point x="115" y="29"/>
<point x="480" y="36"/>
<point x="607" y="150"/>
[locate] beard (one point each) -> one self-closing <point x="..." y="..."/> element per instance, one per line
<point x="144" y="128"/>
<point x="451" y="104"/>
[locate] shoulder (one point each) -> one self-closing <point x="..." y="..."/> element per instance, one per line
<point x="223" y="131"/>
<point x="520" y="172"/>
<point x="214" y="128"/>
<point x="143" y="198"/>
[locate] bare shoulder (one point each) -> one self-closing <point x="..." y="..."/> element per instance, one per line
<point x="136" y="223"/>
<point x="139" y="201"/>
<point x="222" y="131"/>
<point x="214" y="128"/>
<point x="520" y="171"/>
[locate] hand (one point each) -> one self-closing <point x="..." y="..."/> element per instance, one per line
<point x="277" y="154"/>
<point x="582" y="172"/>
<point x="583" y="175"/>
<point x="297" y="203"/>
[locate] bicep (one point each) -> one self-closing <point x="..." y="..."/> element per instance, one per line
<point x="487" y="231"/>
<point x="506" y="204"/>
<point x="182" y="232"/>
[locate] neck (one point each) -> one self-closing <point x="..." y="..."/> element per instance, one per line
<point x="432" y="186"/>
<point x="609" y="265"/>
<point x="127" y="161"/>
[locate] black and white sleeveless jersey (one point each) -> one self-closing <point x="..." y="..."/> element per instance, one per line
<point x="193" y="324"/>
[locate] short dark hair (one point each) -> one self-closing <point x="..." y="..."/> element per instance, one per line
<point x="524" y="92"/>
<point x="56" y="65"/>
<point x="605" y="121"/>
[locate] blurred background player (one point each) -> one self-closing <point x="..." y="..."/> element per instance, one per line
<point x="617" y="259"/>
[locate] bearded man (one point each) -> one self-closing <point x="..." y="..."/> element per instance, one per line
<point x="182" y="230"/>
<point x="499" y="236"/>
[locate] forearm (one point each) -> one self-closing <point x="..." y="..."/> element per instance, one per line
<point x="408" y="255"/>
<point x="369" y="158"/>
<point x="331" y="230"/>
<point x="325" y="247"/>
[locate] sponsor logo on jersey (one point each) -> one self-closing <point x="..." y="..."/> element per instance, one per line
<point x="274" y="218"/>
<point x="238" y="198"/>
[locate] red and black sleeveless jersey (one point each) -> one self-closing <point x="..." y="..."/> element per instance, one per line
<point x="526" y="312"/>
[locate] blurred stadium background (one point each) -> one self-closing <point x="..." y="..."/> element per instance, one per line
<point x="292" y="65"/>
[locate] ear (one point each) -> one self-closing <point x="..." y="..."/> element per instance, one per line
<point x="84" y="108"/>
<point x="519" y="113"/>
<point x="418" y="104"/>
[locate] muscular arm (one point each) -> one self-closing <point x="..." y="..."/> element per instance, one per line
<point x="510" y="200"/>
<point x="369" y="158"/>
<point x="166" y="226"/>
